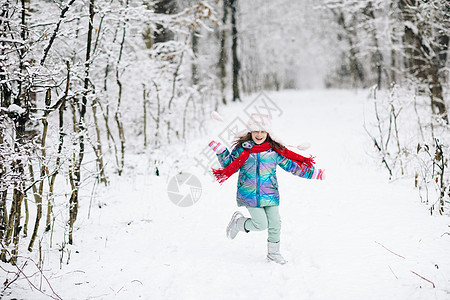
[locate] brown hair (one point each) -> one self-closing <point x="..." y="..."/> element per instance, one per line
<point x="248" y="137"/>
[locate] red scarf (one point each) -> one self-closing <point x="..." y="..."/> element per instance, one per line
<point x="225" y="173"/>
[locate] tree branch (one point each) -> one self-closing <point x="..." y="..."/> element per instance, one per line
<point x="390" y="250"/>
<point x="55" y="32"/>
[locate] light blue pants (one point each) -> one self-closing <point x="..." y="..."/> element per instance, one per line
<point x="265" y="218"/>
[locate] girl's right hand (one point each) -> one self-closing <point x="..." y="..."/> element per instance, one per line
<point x="318" y="174"/>
<point x="217" y="147"/>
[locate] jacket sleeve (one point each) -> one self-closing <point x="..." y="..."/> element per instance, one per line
<point x="226" y="158"/>
<point x="294" y="168"/>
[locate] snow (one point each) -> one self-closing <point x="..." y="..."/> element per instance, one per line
<point x="413" y="27"/>
<point x="354" y="236"/>
<point x="14" y="108"/>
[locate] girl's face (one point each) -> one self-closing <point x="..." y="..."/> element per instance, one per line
<point x="259" y="137"/>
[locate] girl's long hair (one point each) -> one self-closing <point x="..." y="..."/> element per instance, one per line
<point x="248" y="137"/>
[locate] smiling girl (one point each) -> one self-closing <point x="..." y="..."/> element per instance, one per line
<point x="256" y="155"/>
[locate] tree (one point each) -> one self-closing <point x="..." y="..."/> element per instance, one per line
<point x="426" y="40"/>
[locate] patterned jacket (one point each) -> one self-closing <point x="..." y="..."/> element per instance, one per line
<point x="257" y="183"/>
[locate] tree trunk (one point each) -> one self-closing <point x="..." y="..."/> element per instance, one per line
<point x="17" y="202"/>
<point x="98" y="146"/>
<point x="3" y="214"/>
<point x="415" y="59"/>
<point x="22" y="100"/>
<point x="144" y="102"/>
<point x="118" y="115"/>
<point x="73" y="202"/>
<point x="356" y="68"/>
<point x="43" y="170"/>
<point x="377" y="56"/>
<point x="236" y="64"/>
<point x="394" y="64"/>
<point x="194" y="66"/>
<point x="3" y="194"/>
<point x="223" y="52"/>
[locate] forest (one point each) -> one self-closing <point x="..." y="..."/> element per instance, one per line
<point x="85" y="85"/>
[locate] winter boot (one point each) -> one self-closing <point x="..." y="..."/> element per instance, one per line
<point x="236" y="224"/>
<point x="273" y="253"/>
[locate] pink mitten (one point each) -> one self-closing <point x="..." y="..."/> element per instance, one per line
<point x="318" y="174"/>
<point x="217" y="147"/>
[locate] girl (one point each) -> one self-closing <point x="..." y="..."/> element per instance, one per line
<point x="256" y="155"/>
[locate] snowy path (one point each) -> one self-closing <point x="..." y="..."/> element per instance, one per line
<point x="141" y="246"/>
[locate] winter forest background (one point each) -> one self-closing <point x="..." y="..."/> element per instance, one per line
<point x="87" y="84"/>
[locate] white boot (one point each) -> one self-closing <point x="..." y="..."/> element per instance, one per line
<point x="273" y="253"/>
<point x="236" y="224"/>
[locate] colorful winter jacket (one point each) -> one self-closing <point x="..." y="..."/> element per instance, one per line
<point x="257" y="183"/>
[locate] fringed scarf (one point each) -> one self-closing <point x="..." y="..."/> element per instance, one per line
<point x="225" y="173"/>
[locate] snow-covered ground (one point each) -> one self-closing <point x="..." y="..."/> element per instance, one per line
<point x="353" y="236"/>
